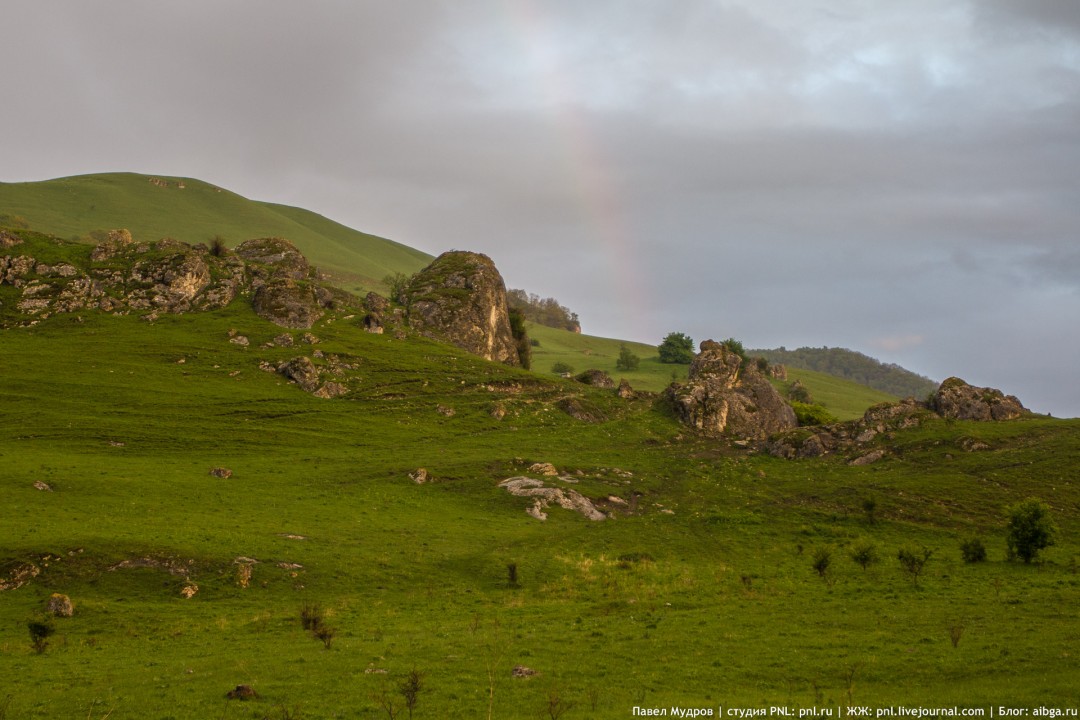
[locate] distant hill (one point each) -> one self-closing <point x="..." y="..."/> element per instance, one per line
<point x="153" y="207"/>
<point x="854" y="366"/>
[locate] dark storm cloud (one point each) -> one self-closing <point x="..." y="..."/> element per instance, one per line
<point x="895" y="177"/>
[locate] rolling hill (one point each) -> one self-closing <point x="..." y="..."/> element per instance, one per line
<point x="153" y="207"/>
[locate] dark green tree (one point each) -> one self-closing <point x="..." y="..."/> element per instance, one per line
<point x="1030" y="530"/>
<point x="521" y="337"/>
<point x="677" y="348"/>
<point x="627" y="361"/>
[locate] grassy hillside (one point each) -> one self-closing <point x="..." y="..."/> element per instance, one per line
<point x="843" y="398"/>
<point x="75" y="206"/>
<point x="856" y="367"/>
<point x="699" y="591"/>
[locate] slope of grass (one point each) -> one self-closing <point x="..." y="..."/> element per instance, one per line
<point x="75" y="206"/>
<point x="844" y="399"/>
<point x="699" y="592"/>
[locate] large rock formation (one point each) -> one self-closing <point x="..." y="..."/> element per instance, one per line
<point x="282" y="280"/>
<point x="956" y="399"/>
<point x="725" y="396"/>
<point x="461" y="298"/>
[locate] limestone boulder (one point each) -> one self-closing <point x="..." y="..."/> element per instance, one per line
<point x="956" y="399"/>
<point x="724" y="396"/>
<point x="461" y="298"/>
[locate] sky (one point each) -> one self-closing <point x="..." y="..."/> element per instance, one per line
<point x="902" y="179"/>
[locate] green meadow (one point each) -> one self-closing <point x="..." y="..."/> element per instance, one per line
<point x="699" y="592"/>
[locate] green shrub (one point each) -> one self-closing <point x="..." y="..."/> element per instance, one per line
<point x="561" y="368"/>
<point x="810" y="415"/>
<point x="864" y="553"/>
<point x="913" y="562"/>
<point x="677" y="348"/>
<point x="972" y="550"/>
<point x="40" y="632"/>
<point x="627" y="361"/>
<point x="822" y="561"/>
<point x="1030" y="529"/>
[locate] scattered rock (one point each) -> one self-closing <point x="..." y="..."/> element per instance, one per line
<point x="240" y="340"/>
<point x="543" y="468"/>
<point x="287" y="303"/>
<point x="580" y="409"/>
<point x="274" y="257"/>
<point x="497" y="411"/>
<point x="778" y="372"/>
<point x="419" y="476"/>
<point x="242" y="692"/>
<point x="8" y="240"/>
<point x="565" y="498"/>
<point x="596" y="378"/>
<point x="625" y="391"/>
<point x="301" y="371"/>
<point x="19" y="576"/>
<point x="871" y="457"/>
<point x="376" y="303"/>
<point x="189" y="591"/>
<point x="39" y="485"/>
<point x="221" y="472"/>
<point x="461" y="298"/>
<point x="968" y="444"/>
<point x="331" y="390"/>
<point x="445" y="410"/>
<point x="59" y="605"/>
<point x="310" y="339"/>
<point x="283" y="340"/>
<point x="520" y="671"/>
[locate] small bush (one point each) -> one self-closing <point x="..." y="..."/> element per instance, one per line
<point x="973" y="550"/>
<point x="218" y="248"/>
<point x="410" y="689"/>
<point x="628" y="361"/>
<point x="810" y="415"/>
<point x="864" y="554"/>
<point x="312" y="616"/>
<point x="326" y="634"/>
<point x="869" y="506"/>
<point x="955" y="633"/>
<point x="913" y="562"/>
<point x="40" y="632"/>
<point x="822" y="561"/>
<point x="512" y="575"/>
<point x="561" y="368"/>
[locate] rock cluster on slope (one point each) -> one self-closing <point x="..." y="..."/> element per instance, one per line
<point x="724" y="396"/>
<point x="461" y="298"/>
<point x="123" y="275"/>
<point x="858" y="438"/>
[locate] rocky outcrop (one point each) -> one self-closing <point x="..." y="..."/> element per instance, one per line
<point x="122" y="275"/>
<point x="461" y="298"/>
<point x="8" y="239"/>
<point x="956" y="399"/>
<point x="596" y="378"/>
<point x="861" y="439"/>
<point x="724" y="396"/>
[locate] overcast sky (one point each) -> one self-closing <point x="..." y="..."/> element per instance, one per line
<point x="900" y="178"/>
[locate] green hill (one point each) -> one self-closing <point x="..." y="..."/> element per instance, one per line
<point x="194" y="211"/>
<point x="854" y="366"/>
<point x="698" y="590"/>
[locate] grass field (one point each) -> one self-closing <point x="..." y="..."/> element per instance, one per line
<point x="703" y="595"/>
